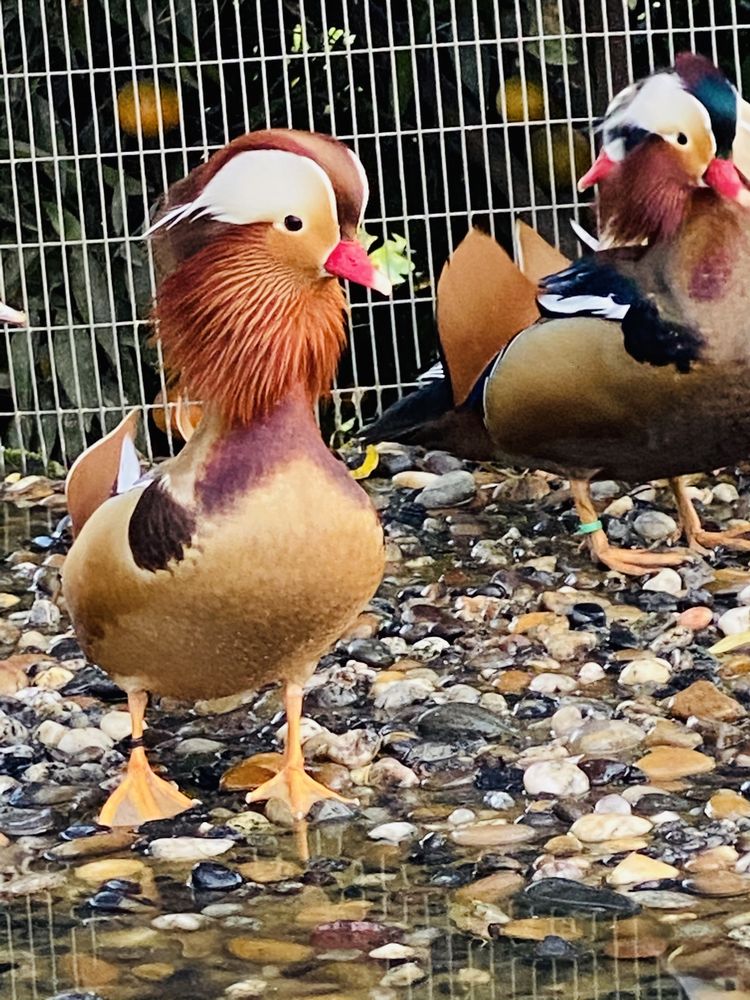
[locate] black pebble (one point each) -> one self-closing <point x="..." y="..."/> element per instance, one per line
<point x="538" y="707"/>
<point x="209" y="876"/>
<point x="582" y="616"/>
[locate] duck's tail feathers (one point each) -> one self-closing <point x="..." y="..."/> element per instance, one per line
<point x="483" y="299"/>
<point x="536" y="257"/>
<point x="108" y="467"/>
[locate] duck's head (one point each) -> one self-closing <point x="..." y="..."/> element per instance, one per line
<point x="249" y="248"/>
<point x="11" y="316"/>
<point x="664" y="138"/>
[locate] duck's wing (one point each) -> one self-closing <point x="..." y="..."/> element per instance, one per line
<point x="605" y="285"/>
<point x="108" y="467"/>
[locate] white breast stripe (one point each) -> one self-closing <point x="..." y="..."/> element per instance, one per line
<point x="129" y="472"/>
<point x="587" y="305"/>
<point x="434" y="374"/>
<point x="585" y="237"/>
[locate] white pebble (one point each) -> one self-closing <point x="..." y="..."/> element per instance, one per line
<point x="646" y="671"/>
<point x="619" y="507"/>
<point x="189" y="848"/>
<point x="179" y="922"/>
<point x="246" y="989"/>
<point x="654" y="526"/>
<point x="667" y="581"/>
<point x="613" y="804"/>
<point x="75" y="741"/>
<point x="394" y="833"/>
<point x="499" y="801"/>
<point x="565" y="720"/>
<point x="553" y="683"/>
<point x="459" y="816"/>
<point x="735" y="620"/>
<point x="117" y="725"/>
<point x="393" y="951"/>
<point x="725" y="492"/>
<point x="403" y="975"/>
<point x="593" y="828"/>
<point x="50" y="733"/>
<point x="561" y="778"/>
<point x="412" y="479"/>
<point x="590" y="673"/>
<point x="430" y="646"/>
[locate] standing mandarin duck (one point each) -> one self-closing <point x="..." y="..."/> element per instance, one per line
<point x="633" y="362"/>
<point x="239" y="562"/>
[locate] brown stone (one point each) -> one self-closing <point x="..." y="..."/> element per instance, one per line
<point x="512" y="681"/>
<point x="154" y="972"/>
<point x="713" y="859"/>
<point x="538" y="928"/>
<point x="706" y="701"/>
<point x="252" y="772"/>
<point x="328" y="913"/>
<point x="695" y="619"/>
<point x="492" y="888"/>
<point x="533" y="619"/>
<point x="269" y="871"/>
<point x="88" y="971"/>
<point x="669" y="763"/>
<point x="726" y="804"/>
<point x="718" y="884"/>
<point x="673" y="734"/>
<point x="636" y="947"/>
<point x="269" y="951"/>
<point x="564" y="846"/>
<point x="493" y="833"/>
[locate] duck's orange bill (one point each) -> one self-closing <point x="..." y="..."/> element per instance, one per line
<point x="349" y="260"/>
<point x="597" y="172"/>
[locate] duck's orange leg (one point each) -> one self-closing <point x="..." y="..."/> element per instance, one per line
<point x="292" y="784"/>
<point x="697" y="537"/>
<point x="142" y="795"/>
<point x="634" y="562"/>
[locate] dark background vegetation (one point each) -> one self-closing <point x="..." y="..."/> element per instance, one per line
<point x="413" y="80"/>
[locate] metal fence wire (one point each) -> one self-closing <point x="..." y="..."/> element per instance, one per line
<point x="461" y="110"/>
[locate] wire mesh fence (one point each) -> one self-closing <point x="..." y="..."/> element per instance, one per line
<point x="461" y="110"/>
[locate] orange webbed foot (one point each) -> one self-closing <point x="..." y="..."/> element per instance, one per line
<point x="634" y="562"/>
<point x="295" y="787"/>
<point x="142" y="796"/>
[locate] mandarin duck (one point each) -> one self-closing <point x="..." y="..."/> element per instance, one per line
<point x="239" y="562"/>
<point x="630" y="363"/>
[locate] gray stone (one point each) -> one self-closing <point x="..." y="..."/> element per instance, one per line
<point x="451" y="489"/>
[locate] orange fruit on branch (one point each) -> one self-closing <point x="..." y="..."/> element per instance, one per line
<point x="144" y="98"/>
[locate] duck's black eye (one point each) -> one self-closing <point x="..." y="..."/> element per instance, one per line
<point x="293" y="224"/>
<point x="682" y="139"/>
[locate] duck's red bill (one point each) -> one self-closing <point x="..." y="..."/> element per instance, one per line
<point x="725" y="179"/>
<point x="598" y="171"/>
<point x="349" y="260"/>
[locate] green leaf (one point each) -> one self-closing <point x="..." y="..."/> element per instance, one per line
<point x="365" y="238"/>
<point x="393" y="259"/>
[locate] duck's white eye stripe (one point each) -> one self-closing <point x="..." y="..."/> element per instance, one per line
<point x="260" y="185"/>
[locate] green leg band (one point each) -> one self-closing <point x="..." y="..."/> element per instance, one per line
<point x="590" y="527"/>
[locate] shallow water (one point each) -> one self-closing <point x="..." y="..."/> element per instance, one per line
<point x="307" y="929"/>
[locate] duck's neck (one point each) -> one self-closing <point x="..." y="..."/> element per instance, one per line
<point x="645" y="200"/>
<point x="222" y="461"/>
<point x="243" y="333"/>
